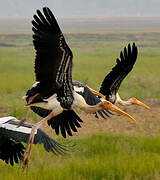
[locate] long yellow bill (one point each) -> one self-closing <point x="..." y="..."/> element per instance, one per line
<point x="116" y="109"/>
<point x="96" y="92"/>
<point x="136" y="101"/>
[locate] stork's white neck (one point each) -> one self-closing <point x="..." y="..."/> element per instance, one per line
<point x="79" y="102"/>
<point x="122" y="102"/>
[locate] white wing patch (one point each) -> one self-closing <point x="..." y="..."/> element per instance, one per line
<point x="35" y="84"/>
<point x="5" y="119"/>
<point x="6" y="124"/>
<point x="78" y="89"/>
<point x="21" y="129"/>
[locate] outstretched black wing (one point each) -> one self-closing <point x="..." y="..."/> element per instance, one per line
<point x="112" y="81"/>
<point x="66" y="122"/>
<point x="10" y="151"/>
<point x="69" y="121"/>
<point x="53" y="56"/>
<point x="9" y="130"/>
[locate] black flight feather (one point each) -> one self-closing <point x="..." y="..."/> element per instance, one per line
<point x="11" y="148"/>
<point x="53" y="56"/>
<point x="112" y="81"/>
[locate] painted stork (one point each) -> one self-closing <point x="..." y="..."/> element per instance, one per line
<point x="111" y="83"/>
<point x="109" y="88"/>
<point x="53" y="69"/>
<point x="67" y="121"/>
<point x="11" y="148"/>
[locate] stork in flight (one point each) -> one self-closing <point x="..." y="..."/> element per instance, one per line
<point x="111" y="83"/>
<point x="69" y="121"/>
<point x="53" y="70"/>
<point x="11" y="148"/>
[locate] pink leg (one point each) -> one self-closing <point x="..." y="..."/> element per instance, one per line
<point x="27" y="111"/>
<point x="25" y="117"/>
<point x="27" y="153"/>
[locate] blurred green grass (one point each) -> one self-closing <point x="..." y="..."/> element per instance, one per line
<point x="100" y="156"/>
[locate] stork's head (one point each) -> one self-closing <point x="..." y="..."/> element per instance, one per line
<point x="109" y="106"/>
<point x="133" y="100"/>
<point x="32" y="92"/>
<point x="33" y="96"/>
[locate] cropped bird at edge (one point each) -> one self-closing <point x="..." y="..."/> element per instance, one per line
<point x="53" y="70"/>
<point x="111" y="83"/>
<point x="11" y="138"/>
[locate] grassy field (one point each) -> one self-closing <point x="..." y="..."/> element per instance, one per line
<point x="94" y="56"/>
<point x="101" y="155"/>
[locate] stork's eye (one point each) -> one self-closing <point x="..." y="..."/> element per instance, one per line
<point x="107" y="102"/>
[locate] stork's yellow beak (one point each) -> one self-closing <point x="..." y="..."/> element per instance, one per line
<point x="96" y="92"/>
<point x="116" y="109"/>
<point x="136" y="101"/>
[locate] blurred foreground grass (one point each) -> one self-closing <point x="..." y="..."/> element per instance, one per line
<point x="100" y="156"/>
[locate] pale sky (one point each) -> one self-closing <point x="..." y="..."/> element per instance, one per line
<point x="81" y="8"/>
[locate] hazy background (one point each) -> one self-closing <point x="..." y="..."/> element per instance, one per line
<point x="83" y="15"/>
<point x="81" y="8"/>
<point x="96" y="31"/>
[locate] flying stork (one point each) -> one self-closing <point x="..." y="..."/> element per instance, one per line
<point x="111" y="83"/>
<point x="69" y="120"/>
<point x="11" y="148"/>
<point x="53" y="69"/>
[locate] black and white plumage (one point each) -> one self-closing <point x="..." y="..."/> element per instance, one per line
<point x="111" y="83"/>
<point x="113" y="80"/>
<point x="90" y="97"/>
<point x="11" y="138"/>
<point x="53" y="70"/>
<point x="68" y="121"/>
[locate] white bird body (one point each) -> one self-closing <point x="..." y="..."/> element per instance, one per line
<point x="78" y="89"/>
<point x="79" y="103"/>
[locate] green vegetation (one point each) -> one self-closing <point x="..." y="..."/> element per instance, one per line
<point x="98" y="157"/>
<point x="94" y="56"/>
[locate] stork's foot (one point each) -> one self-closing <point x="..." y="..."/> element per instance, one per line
<point x="27" y="153"/>
<point x="25" y="164"/>
<point x="21" y="122"/>
<point x="25" y="160"/>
